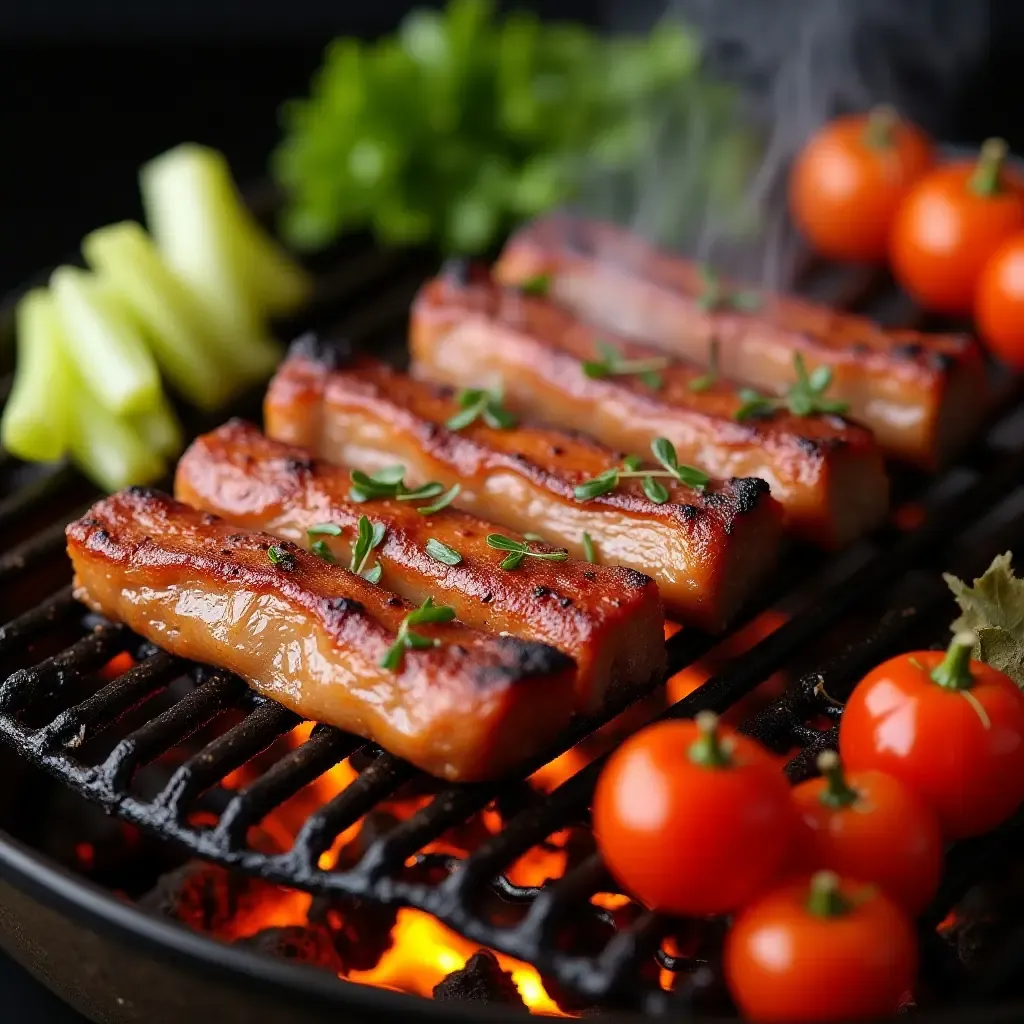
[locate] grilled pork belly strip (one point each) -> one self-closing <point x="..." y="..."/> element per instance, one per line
<point x="707" y="551"/>
<point x="828" y="474"/>
<point x="608" y="619"/>
<point x="923" y="395"/>
<point x="311" y="636"/>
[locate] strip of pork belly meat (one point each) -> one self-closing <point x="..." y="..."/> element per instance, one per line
<point x="608" y="619"/>
<point x="923" y="395"/>
<point x="828" y="473"/>
<point x="312" y="636"/>
<point x="708" y="550"/>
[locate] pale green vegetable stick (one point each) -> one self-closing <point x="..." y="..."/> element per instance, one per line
<point x="187" y="349"/>
<point x="109" y="449"/>
<point x="35" y="419"/>
<point x="104" y="346"/>
<point x="159" y="429"/>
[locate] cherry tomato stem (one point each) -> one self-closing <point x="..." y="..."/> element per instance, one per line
<point x="880" y="129"/>
<point x="709" y="750"/>
<point x="826" y="898"/>
<point x="987" y="179"/>
<point x="837" y="791"/>
<point x="954" y="671"/>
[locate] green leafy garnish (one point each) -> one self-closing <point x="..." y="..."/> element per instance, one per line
<point x="443" y="502"/>
<point x="476" y="403"/>
<point x="281" y="558"/>
<point x="715" y="297"/>
<point x="442" y="552"/>
<point x="389" y="482"/>
<point x="664" y="451"/>
<point x="707" y="381"/>
<point x="369" y="538"/>
<point x="588" y="548"/>
<point x="804" y="397"/>
<point x="407" y="639"/>
<point x="613" y="365"/>
<point x="518" y="550"/>
<point x="538" y="285"/>
<point x="993" y="610"/>
<point x="464" y="123"/>
<point x="321" y="550"/>
<point x="534" y="536"/>
<point x="324" y="529"/>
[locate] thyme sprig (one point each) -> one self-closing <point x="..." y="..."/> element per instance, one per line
<point x="519" y="550"/>
<point x="406" y="639"/>
<point x="664" y="451"/>
<point x="804" y="397"/>
<point x="612" y="364"/>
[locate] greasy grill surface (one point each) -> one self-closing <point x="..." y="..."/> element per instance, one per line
<point x="886" y="593"/>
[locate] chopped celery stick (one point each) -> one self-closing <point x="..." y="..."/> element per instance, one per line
<point x="105" y="347"/>
<point x="172" y="320"/>
<point x="197" y="216"/>
<point x="159" y="429"/>
<point x="108" y="448"/>
<point x="35" y="422"/>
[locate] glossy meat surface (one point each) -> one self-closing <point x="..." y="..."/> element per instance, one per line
<point x="311" y="636"/>
<point x="608" y="619"/>
<point x="827" y="473"/>
<point x="923" y="395"/>
<point x="707" y="551"/>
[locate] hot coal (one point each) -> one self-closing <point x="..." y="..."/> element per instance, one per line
<point x="481" y="981"/>
<point x="310" y="944"/>
<point x="202" y="896"/>
<point x="360" y="931"/>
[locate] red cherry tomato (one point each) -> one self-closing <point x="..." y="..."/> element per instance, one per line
<point x="824" y="950"/>
<point x="999" y="303"/>
<point x="849" y="179"/>
<point x="950" y="224"/>
<point x="870" y="826"/>
<point x="950" y="728"/>
<point x="679" y="809"/>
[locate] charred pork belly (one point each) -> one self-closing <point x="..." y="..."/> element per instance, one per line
<point x="828" y="473"/>
<point x="923" y="395"/>
<point x="319" y="639"/>
<point x="708" y="548"/>
<point x="608" y="619"/>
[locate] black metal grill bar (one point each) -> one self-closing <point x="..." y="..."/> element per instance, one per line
<point x="38" y="548"/>
<point x="72" y="727"/>
<point x="555" y="901"/>
<point x="19" y="633"/>
<point x="35" y="496"/>
<point x="85" y="655"/>
<point x="229" y="751"/>
<point x="324" y="749"/>
<point x="197" y="708"/>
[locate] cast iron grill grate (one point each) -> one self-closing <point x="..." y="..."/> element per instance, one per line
<point x="53" y="708"/>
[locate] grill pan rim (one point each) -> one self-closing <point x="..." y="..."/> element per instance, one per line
<point x="36" y="875"/>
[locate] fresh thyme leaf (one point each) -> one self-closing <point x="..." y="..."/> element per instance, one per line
<point x="321" y="550"/>
<point x="282" y="559"/>
<point x="664" y="451"/>
<point x="518" y="550"/>
<point x="369" y="536"/>
<point x="500" y="542"/>
<point x="708" y="380"/>
<point x="632" y="462"/>
<point x="820" y="379"/>
<point x="993" y="609"/>
<point x="612" y="364"/>
<point x="476" y="404"/>
<point x="407" y="639"/>
<point x="602" y="484"/>
<point x="443" y="502"/>
<point x="539" y="285"/>
<point x="441" y="552"/>
<point x="692" y="477"/>
<point x="326" y="529"/>
<point x="588" y="548"/>
<point x="389" y="475"/>
<point x="386" y="483"/>
<point x="715" y="296"/>
<point x="373" y="575"/>
<point x="534" y="537"/>
<point x="806" y="395"/>
<point x="513" y="560"/>
<point x="428" y="490"/>
<point x="430" y="612"/>
<point x="655" y="490"/>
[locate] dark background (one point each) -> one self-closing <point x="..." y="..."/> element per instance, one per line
<point x="88" y="91"/>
